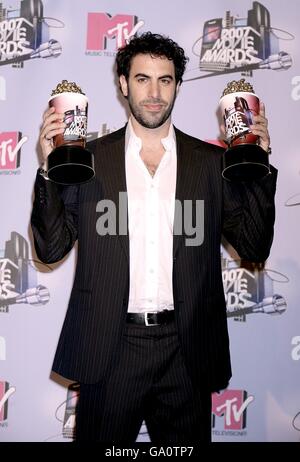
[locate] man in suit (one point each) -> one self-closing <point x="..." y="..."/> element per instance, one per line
<point x="145" y="333"/>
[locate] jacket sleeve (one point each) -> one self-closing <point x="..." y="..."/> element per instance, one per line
<point x="249" y="216"/>
<point x="54" y="219"/>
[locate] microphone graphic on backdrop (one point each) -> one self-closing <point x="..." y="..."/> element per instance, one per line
<point x="35" y="296"/>
<point x="273" y="305"/>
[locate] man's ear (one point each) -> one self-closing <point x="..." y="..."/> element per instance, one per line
<point x="123" y="85"/>
<point x="177" y="88"/>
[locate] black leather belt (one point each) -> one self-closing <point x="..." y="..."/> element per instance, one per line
<point x="150" y="318"/>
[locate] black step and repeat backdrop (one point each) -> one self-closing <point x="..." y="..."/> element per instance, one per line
<point x="43" y="42"/>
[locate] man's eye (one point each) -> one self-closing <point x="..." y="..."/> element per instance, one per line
<point x="142" y="79"/>
<point x="166" y="81"/>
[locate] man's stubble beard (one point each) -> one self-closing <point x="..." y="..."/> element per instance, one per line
<point x="145" y="121"/>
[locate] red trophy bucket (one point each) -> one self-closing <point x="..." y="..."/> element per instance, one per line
<point x="70" y="162"/>
<point x="244" y="159"/>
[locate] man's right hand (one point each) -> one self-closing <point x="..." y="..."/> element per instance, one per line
<point x="52" y="125"/>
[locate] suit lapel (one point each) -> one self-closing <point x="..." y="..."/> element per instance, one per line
<point x="112" y="162"/>
<point x="189" y="169"/>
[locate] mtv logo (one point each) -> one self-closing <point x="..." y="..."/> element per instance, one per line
<point x="103" y="26"/>
<point x="10" y="150"/>
<point x="5" y="393"/>
<point x="232" y="405"/>
<point x="4" y="386"/>
<point x="2" y="349"/>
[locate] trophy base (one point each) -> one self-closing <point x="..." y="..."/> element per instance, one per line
<point x="245" y="162"/>
<point x="69" y="165"/>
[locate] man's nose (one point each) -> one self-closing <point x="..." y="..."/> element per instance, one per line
<point x="154" y="90"/>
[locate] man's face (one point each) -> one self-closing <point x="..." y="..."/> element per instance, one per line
<point x="151" y="89"/>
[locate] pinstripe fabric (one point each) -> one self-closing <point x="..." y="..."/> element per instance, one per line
<point x="149" y="382"/>
<point x="90" y="340"/>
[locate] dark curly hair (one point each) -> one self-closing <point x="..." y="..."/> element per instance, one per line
<point x="153" y="44"/>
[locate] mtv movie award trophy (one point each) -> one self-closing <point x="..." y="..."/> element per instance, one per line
<point x="244" y="159"/>
<point x="70" y="162"/>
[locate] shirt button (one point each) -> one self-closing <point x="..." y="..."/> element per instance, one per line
<point x="151" y="271"/>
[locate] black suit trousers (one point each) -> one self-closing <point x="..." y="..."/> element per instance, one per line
<point x="150" y="382"/>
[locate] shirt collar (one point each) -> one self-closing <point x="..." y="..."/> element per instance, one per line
<point x="169" y="142"/>
<point x="133" y="141"/>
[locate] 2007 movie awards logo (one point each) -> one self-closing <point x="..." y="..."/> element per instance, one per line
<point x="18" y="277"/>
<point x="118" y="29"/>
<point x="240" y="44"/>
<point x="25" y="35"/>
<point x="249" y="289"/>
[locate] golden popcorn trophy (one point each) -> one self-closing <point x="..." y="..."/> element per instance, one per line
<point x="244" y="159"/>
<point x="70" y="162"/>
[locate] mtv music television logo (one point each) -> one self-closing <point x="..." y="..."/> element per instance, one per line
<point x="232" y="406"/>
<point x="103" y="26"/>
<point x="10" y="150"/>
<point x="5" y="393"/>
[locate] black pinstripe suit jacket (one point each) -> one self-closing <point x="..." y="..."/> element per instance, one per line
<point x="92" y="329"/>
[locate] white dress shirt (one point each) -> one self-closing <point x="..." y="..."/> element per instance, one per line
<point x="151" y="207"/>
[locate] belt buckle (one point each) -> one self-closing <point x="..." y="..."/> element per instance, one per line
<point x="147" y="321"/>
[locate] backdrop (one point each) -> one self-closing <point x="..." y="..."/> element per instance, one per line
<point x="43" y="42"/>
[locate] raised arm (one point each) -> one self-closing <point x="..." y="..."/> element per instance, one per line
<point x="55" y="209"/>
<point x="249" y="209"/>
